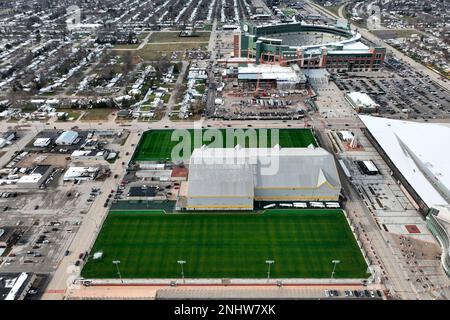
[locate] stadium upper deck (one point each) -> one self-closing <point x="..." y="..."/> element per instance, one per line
<point x="310" y="46"/>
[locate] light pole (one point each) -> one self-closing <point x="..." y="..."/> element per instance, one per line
<point x="146" y="194"/>
<point x="335" y="262"/>
<point x="117" y="262"/>
<point x="269" y="262"/>
<point x="181" y="263"/>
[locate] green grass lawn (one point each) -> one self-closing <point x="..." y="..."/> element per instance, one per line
<point x="302" y="242"/>
<point x="156" y="145"/>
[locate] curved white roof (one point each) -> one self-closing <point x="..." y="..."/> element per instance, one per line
<point x="420" y="151"/>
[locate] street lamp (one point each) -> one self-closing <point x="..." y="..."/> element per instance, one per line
<point x="335" y="262"/>
<point x="181" y="263"/>
<point x="117" y="262"/>
<point x="269" y="262"/>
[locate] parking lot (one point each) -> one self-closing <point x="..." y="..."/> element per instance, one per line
<point x="401" y="97"/>
<point x="49" y="219"/>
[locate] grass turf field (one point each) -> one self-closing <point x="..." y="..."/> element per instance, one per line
<point x="302" y="243"/>
<point x="156" y="145"/>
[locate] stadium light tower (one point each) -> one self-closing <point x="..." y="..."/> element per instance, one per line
<point x="146" y="194"/>
<point x="269" y="262"/>
<point x="117" y="262"/>
<point x="181" y="263"/>
<point x="335" y="262"/>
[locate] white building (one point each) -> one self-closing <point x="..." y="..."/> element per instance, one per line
<point x="416" y="154"/>
<point x="80" y="173"/>
<point x="42" y="142"/>
<point x="84" y="155"/>
<point x="233" y="178"/>
<point x="36" y="178"/>
<point x="67" y="138"/>
<point x="284" y="77"/>
<point x="361" y="102"/>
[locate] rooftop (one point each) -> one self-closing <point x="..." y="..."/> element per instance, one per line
<point x="12" y="285"/>
<point x="237" y="171"/>
<point x="416" y="150"/>
<point x="67" y="137"/>
<point x="362" y="99"/>
<point x="142" y="191"/>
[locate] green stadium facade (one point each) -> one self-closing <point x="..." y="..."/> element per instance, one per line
<point x="268" y="44"/>
<point x="438" y="222"/>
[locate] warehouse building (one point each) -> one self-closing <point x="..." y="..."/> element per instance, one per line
<point x="89" y="155"/>
<point x="67" y="138"/>
<point x="42" y="142"/>
<point x="36" y="178"/>
<point x="80" y="173"/>
<point x="233" y="178"/>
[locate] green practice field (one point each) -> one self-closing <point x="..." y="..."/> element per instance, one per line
<point x="302" y="242"/>
<point x="156" y="145"/>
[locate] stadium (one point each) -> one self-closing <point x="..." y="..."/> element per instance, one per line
<point x="309" y="46"/>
